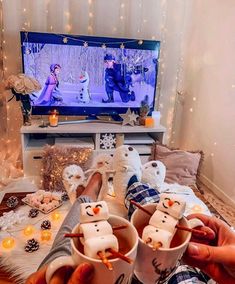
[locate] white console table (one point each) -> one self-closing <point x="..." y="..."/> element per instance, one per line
<point x="34" y="138"/>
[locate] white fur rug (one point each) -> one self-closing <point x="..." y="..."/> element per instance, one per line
<point x="21" y="264"/>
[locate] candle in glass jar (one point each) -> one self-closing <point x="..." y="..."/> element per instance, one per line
<point x="149" y="121"/>
<point x="53" y="120"/>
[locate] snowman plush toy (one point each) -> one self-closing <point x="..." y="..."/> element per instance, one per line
<point x="97" y="232"/>
<point x="126" y="163"/>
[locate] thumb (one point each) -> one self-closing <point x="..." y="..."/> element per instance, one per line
<point x="83" y="274"/>
<point x="222" y="254"/>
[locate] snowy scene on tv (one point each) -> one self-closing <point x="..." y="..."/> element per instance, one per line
<point x="91" y="76"/>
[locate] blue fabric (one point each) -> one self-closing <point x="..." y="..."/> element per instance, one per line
<point x="140" y="193"/>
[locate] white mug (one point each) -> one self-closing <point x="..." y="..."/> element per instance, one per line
<point x="122" y="271"/>
<point x="157" y="266"/>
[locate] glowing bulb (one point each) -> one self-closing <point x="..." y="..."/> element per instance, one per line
<point x="194" y="98"/>
<point x="197" y="209"/>
<point x="122" y="46"/>
<point x="65" y="40"/>
<point x="85" y="44"/>
<point x="103" y="45"/>
<point x="56" y="216"/>
<point x="29" y="230"/>
<point x="24" y="10"/>
<point x="122" y="5"/>
<point x="45" y="235"/>
<point x="90" y="14"/>
<point x="191" y="109"/>
<point x="121" y="18"/>
<point x="215" y="143"/>
<point x="212" y="154"/>
<point x="140" y="42"/>
<point x="8" y="243"/>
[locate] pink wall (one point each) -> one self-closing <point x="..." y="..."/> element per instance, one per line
<point x="208" y="120"/>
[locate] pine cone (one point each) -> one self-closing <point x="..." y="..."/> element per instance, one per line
<point x="46" y="225"/>
<point x="32" y="245"/>
<point x="12" y="202"/>
<point x="33" y="213"/>
<point x="64" y="196"/>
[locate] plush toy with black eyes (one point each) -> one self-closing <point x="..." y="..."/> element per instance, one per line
<point x="153" y="173"/>
<point x="73" y="177"/>
<point x="126" y="163"/>
<point x="97" y="232"/>
<point x="162" y="224"/>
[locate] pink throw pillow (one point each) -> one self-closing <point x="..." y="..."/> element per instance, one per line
<point x="182" y="167"/>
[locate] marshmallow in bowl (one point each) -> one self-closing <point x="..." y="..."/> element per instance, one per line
<point x="154" y="235"/>
<point x="93" y="245"/>
<point x="163" y="221"/>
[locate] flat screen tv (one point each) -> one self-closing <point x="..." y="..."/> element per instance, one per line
<point x="91" y="76"/>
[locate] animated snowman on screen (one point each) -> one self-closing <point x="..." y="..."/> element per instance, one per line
<point x="84" y="95"/>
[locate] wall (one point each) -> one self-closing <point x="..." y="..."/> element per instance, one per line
<point x="209" y="88"/>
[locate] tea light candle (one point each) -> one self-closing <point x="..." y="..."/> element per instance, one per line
<point x="8" y="243"/>
<point x="56" y="216"/>
<point x="149" y="122"/>
<point x="45" y="235"/>
<point x="53" y="119"/>
<point x="29" y="230"/>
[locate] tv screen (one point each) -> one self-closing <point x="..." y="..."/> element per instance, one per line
<point x="84" y="75"/>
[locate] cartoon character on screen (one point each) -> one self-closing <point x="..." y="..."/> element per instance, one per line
<point x="84" y="95"/>
<point x="98" y="237"/>
<point x="73" y="179"/>
<point x="154" y="173"/>
<point x="117" y="79"/>
<point x="162" y="224"/>
<point x="51" y="95"/>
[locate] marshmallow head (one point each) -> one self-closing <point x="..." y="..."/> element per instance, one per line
<point x="93" y="211"/>
<point x="73" y="175"/>
<point x="154" y="173"/>
<point x="172" y="204"/>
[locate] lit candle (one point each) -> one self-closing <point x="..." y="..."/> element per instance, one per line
<point x="29" y="230"/>
<point x="156" y="116"/>
<point x="8" y="243"/>
<point x="53" y="119"/>
<point x="149" y="122"/>
<point x="45" y="235"/>
<point x="56" y="216"/>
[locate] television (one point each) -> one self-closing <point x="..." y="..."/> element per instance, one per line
<point x="91" y="76"/>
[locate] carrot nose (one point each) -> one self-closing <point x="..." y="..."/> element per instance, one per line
<point x="170" y="203"/>
<point x="96" y="210"/>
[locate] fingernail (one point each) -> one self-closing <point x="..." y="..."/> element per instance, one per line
<point x="193" y="250"/>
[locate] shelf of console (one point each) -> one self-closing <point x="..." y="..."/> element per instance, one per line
<point x="34" y="138"/>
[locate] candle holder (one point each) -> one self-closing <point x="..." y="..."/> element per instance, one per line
<point x="149" y="122"/>
<point x="53" y="118"/>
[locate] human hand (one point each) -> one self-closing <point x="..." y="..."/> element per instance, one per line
<point x="83" y="274"/>
<point x="215" y="256"/>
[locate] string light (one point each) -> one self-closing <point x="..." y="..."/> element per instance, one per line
<point x="45" y="235"/>
<point x="29" y="230"/>
<point x="56" y="216"/>
<point x="8" y="243"/>
<point x="140" y="42"/>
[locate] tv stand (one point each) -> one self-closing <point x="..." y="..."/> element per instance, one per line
<point x="34" y="138"/>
